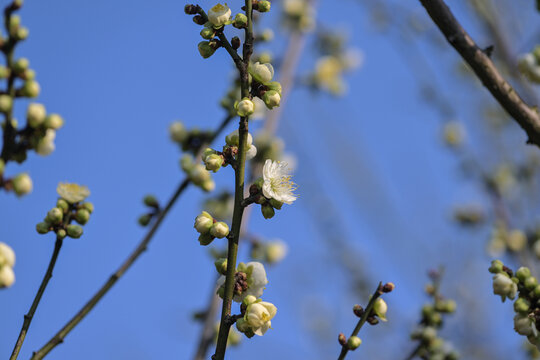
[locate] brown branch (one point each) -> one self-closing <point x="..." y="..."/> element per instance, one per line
<point x="526" y="116"/>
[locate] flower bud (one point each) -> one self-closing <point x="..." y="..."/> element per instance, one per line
<point x="274" y="85"/>
<point x="263" y="73"/>
<point x="14" y="24"/>
<point x="208" y="185"/>
<point x="275" y="251"/>
<point x="45" y="145"/>
<point x="205" y="239"/>
<point x="74" y="231"/>
<point x="4" y="72"/>
<point x="31" y="89"/>
<point x="7" y="276"/>
<point x="145" y="219"/>
<point x="82" y="216"/>
<point x="522" y="305"/>
<point x="219" y="14"/>
<point x="240" y="21"/>
<point x="342" y="339"/>
<point x="35" y="115"/>
<point x="380" y="308"/>
<point x="496" y="267"/>
<point x="354" y="342"/>
<point x="504" y="286"/>
<point x="186" y="163"/>
<point x="198" y="174"/>
<point x="54" y="121"/>
<point x="151" y="201"/>
<point x="190" y="9"/>
<point x="530" y="283"/>
<point x="22" y="184"/>
<point x="219" y="230"/>
<point x="523" y="324"/>
<point x="62" y="204"/>
<point x="523" y="273"/>
<point x="267" y="211"/>
<point x="271" y="99"/>
<point x="213" y="162"/>
<point x="235" y="42"/>
<point x="221" y="266"/>
<point x="178" y="132"/>
<point x="358" y="310"/>
<point x="21" y="33"/>
<point x="61" y="234"/>
<point x="88" y="206"/>
<point x="263" y="6"/>
<point x="207" y="33"/>
<point x="55" y="215"/>
<point x="388" y="287"/>
<point x="20" y="65"/>
<point x="203" y="223"/>
<point x="43" y="227"/>
<point x="7" y="255"/>
<point x="6" y="102"/>
<point x="245" y="107"/>
<point x="205" y="49"/>
<point x="248" y="300"/>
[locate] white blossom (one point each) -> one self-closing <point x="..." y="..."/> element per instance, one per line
<point x="219" y="14"/>
<point x="46" y="145"/>
<point x="504" y="286"/>
<point x="277" y="182"/>
<point x="72" y="193"/>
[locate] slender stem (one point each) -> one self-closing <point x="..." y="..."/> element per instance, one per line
<point x="362" y="321"/>
<point x="58" y="338"/>
<point x="226" y="319"/>
<point x="28" y="317"/>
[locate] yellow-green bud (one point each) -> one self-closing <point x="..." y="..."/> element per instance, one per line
<point x="208" y="185"/>
<point x="380" y="308"/>
<point x="240" y="21"/>
<point x="496" y="267"/>
<point x="205" y="49"/>
<point x="219" y="14"/>
<point x="88" y="206"/>
<point x="4" y="72"/>
<point x="62" y="204"/>
<point x="21" y="33"/>
<point x="274" y="85"/>
<point x="14" y="23"/>
<point x="20" y="65"/>
<point x="54" y="121"/>
<point x="205" y="239"/>
<point x="74" y="231"/>
<point x="521" y="305"/>
<point x="219" y="230"/>
<point x="178" y="132"/>
<point x="145" y="219"/>
<point x="28" y="74"/>
<point x="203" y="223"/>
<point x="151" y="201"/>
<point x="82" y="216"/>
<point x="55" y="215"/>
<point x="7" y="255"/>
<point x="35" y="114"/>
<point x="530" y="283"/>
<point x="523" y="273"/>
<point x="43" y="227"/>
<point x="276" y="204"/>
<point x="221" y="266"/>
<point x="7" y="276"/>
<point x="22" y="184"/>
<point x="248" y="300"/>
<point x="354" y="342"/>
<point x="267" y="211"/>
<point x="213" y="162"/>
<point x="271" y="99"/>
<point x="61" y="234"/>
<point x="245" y="107"/>
<point x="6" y="102"/>
<point x="262" y="72"/>
<point x="207" y="33"/>
<point x="263" y="6"/>
<point x="31" y="89"/>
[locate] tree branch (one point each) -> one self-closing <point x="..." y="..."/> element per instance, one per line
<point x="526" y="116"/>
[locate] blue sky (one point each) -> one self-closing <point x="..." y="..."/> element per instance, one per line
<point x="119" y="72"/>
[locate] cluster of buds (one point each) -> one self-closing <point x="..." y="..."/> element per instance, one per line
<point x="189" y="140"/>
<point x="154" y="209"/>
<point x="262" y="85"/>
<point x="7" y="262"/>
<point x="299" y="15"/>
<point x="506" y="284"/>
<point x="376" y="310"/>
<point x="430" y="345"/>
<point x="270" y="252"/>
<point x="250" y="279"/>
<point x="215" y="21"/>
<point x="197" y="173"/>
<point x="209" y="228"/>
<point x="256" y="317"/>
<point x="69" y="207"/>
<point x="529" y="65"/>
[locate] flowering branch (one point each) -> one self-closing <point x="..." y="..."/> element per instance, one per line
<point x="226" y="320"/>
<point x="526" y="116"/>
<point x="375" y="307"/>
<point x="58" y="338"/>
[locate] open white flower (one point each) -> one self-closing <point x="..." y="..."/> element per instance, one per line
<point x="219" y="14"/>
<point x="258" y="317"/>
<point x="72" y="193"/>
<point x="277" y="182"/>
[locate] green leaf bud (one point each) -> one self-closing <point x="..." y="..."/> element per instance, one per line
<point x="276" y="204"/>
<point x="205" y="239"/>
<point x="82" y="216"/>
<point x="496" y="267"/>
<point x="267" y="211"/>
<point x="207" y="33"/>
<point x="145" y="219"/>
<point x="354" y="342"/>
<point x="205" y="49"/>
<point x="240" y="21"/>
<point x="151" y="201"/>
<point x="43" y="227"/>
<point x="74" y="231"/>
<point x="55" y="215"/>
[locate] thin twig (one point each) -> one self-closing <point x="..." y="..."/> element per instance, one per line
<point x="29" y="316"/>
<point x="139" y="250"/>
<point x="527" y="117"/>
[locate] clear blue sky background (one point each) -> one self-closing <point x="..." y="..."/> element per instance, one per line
<point x="119" y="72"/>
